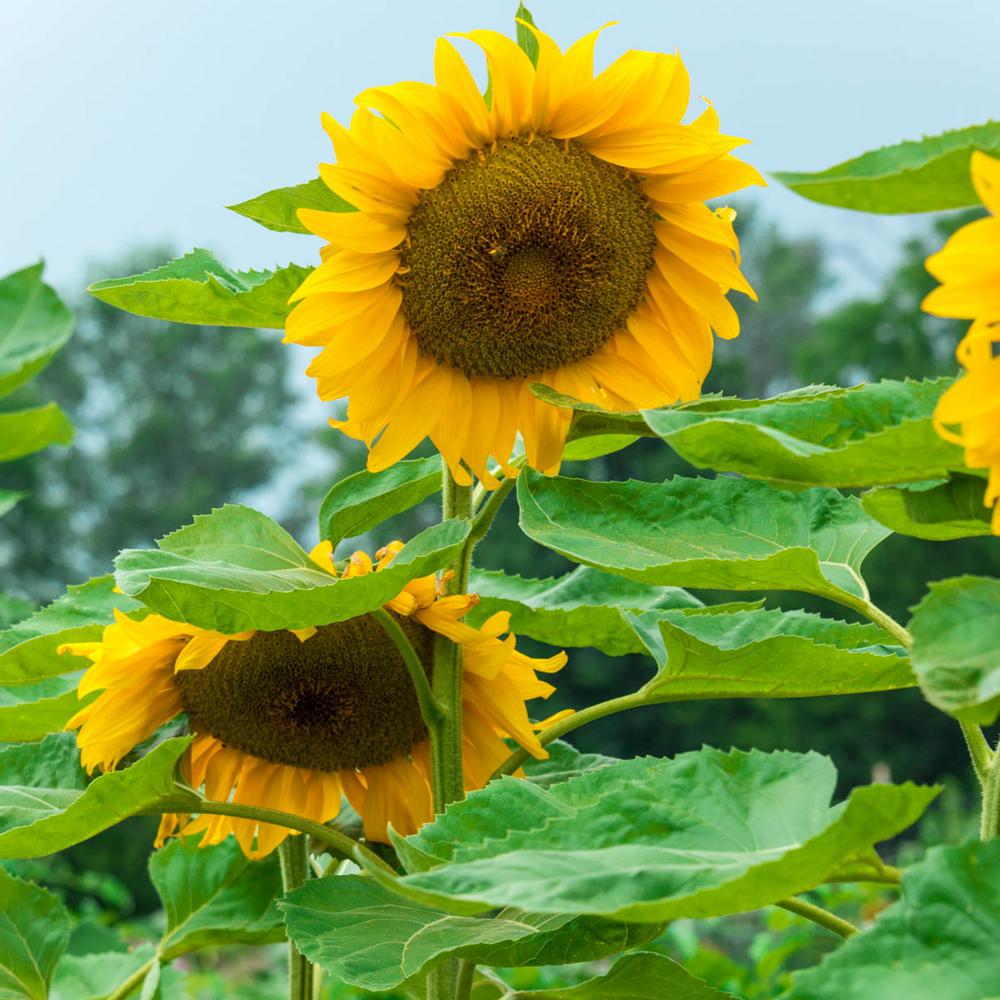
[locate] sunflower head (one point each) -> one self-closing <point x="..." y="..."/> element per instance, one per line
<point x="968" y="267"/>
<point x="556" y="234"/>
<point x="297" y="720"/>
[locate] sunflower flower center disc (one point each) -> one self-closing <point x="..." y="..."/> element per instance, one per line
<point x="526" y="257"/>
<point x="341" y="699"/>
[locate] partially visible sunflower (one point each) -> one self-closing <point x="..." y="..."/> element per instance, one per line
<point x="556" y="233"/>
<point x="296" y="720"/>
<point x="968" y="267"/>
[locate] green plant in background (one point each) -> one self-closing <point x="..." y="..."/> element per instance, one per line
<point x="560" y="875"/>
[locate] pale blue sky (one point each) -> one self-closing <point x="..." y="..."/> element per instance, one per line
<point x="129" y="122"/>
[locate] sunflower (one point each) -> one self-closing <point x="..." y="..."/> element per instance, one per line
<point x="294" y="720"/>
<point x="553" y="233"/>
<point x="968" y="267"/>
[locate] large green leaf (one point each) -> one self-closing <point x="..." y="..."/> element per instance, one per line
<point x="873" y="434"/>
<point x="96" y="976"/>
<point x="28" y="649"/>
<point x="363" y="501"/>
<point x="563" y="762"/>
<point x="198" y="288"/>
<point x="367" y="935"/>
<point x="955" y="647"/>
<point x="236" y="569"/>
<point x="278" y="209"/>
<point x="765" y="653"/>
<point x="702" y="834"/>
<point x="938" y="942"/>
<point x="215" y="896"/>
<point x="45" y="805"/>
<point x="34" y="932"/>
<point x="643" y="975"/>
<point x="726" y="534"/>
<point x="928" y="175"/>
<point x="582" y="608"/>
<point x="34" y="324"/>
<point x="31" y="711"/>
<point x="936" y="511"/>
<point x="23" y="432"/>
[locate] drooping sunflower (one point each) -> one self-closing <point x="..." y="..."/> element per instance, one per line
<point x="555" y="233"/>
<point x="294" y="720"/>
<point x="968" y="267"/>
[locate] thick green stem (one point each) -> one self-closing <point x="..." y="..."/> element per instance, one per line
<point x="818" y="916"/>
<point x="575" y="721"/>
<point x="990" y="822"/>
<point x="463" y="984"/>
<point x="430" y="708"/>
<point x="345" y="845"/>
<point x="979" y="751"/>
<point x="293" y="852"/>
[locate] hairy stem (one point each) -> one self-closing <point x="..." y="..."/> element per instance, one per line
<point x="979" y="751"/>
<point x="293" y="852"/>
<point x="818" y="916"/>
<point x="343" y="844"/>
<point x="990" y="822"/>
<point x="463" y="983"/>
<point x="590" y="714"/>
<point x="430" y="709"/>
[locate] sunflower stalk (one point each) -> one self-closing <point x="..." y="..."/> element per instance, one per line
<point x="293" y="853"/>
<point x="431" y="709"/>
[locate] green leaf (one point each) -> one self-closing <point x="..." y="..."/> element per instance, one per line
<point x="28" y="649"/>
<point x="34" y="324"/>
<point x="198" y="288"/>
<point x="215" y="896"/>
<point x="365" y="934"/>
<point x="23" y="432"/>
<point x="873" y="434"/>
<point x="938" y="941"/>
<point x="766" y="653"/>
<point x="643" y="975"/>
<point x="13" y="610"/>
<point x="96" y="976"/>
<point x="525" y="39"/>
<point x="563" y="762"/>
<point x="236" y="569"/>
<point x="936" y="511"/>
<point x="31" y="711"/>
<point x="927" y="175"/>
<point x="362" y="501"/>
<point x="278" y="209"/>
<point x="9" y="499"/>
<point x="582" y="608"/>
<point x="585" y="448"/>
<point x="724" y="534"/>
<point x="34" y="932"/>
<point x="955" y="629"/>
<point x="699" y="835"/>
<point x="44" y="806"/>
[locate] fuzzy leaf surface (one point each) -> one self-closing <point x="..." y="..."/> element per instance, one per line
<point x="34" y="324"/>
<point x="236" y="569"/>
<point x="199" y="288"/>
<point x="215" y="896"/>
<point x="582" y="608"/>
<point x="955" y="632"/>
<point x="278" y="209"/>
<point x="643" y="975"/>
<point x="939" y="940"/>
<point x="34" y="932"/>
<point x="28" y="649"/>
<point x="46" y="804"/>
<point x="367" y="935"/>
<point x="766" y="653"/>
<point x="702" y="834"/>
<point x="363" y="501"/>
<point x="935" y="511"/>
<point x="725" y="534"/>
<point x="926" y="175"/>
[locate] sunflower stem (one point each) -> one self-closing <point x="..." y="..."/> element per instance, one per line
<point x="345" y="845"/>
<point x="430" y="708"/>
<point x="818" y="916"/>
<point x="293" y="852"/>
<point x="990" y="823"/>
